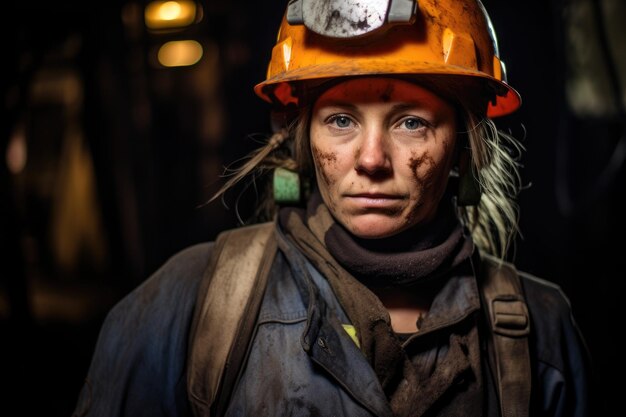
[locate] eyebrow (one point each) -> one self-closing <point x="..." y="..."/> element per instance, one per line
<point x="400" y="107"/>
<point x="336" y="103"/>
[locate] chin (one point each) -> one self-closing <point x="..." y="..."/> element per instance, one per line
<point x="374" y="228"/>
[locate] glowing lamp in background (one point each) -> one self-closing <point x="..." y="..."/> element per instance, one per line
<point x="170" y="14"/>
<point x="179" y="53"/>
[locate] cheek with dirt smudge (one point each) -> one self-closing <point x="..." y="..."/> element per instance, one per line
<point x="416" y="162"/>
<point x="423" y="181"/>
<point x="324" y="161"/>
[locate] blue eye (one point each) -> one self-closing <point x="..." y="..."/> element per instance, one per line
<point x="342" y="121"/>
<point x="413" y="123"/>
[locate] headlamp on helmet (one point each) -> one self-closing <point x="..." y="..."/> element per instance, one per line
<point x="349" y="18"/>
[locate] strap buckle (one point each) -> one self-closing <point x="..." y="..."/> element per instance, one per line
<point x="509" y="316"/>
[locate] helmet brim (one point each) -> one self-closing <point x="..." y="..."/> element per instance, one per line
<point x="506" y="98"/>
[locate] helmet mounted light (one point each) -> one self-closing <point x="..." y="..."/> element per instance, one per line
<point x="349" y="18"/>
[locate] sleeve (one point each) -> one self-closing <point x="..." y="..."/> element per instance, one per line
<point x="138" y="365"/>
<point x="563" y="373"/>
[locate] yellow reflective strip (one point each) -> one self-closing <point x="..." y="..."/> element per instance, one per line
<point x="352" y="333"/>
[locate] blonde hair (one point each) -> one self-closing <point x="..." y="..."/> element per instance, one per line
<point x="493" y="222"/>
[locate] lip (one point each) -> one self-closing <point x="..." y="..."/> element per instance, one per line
<point x="374" y="200"/>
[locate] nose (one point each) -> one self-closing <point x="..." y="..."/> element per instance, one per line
<point x="372" y="156"/>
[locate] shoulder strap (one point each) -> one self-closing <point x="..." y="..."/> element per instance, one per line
<point x="510" y="327"/>
<point x="231" y="291"/>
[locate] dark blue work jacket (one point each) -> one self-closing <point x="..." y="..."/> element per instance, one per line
<point x="302" y="362"/>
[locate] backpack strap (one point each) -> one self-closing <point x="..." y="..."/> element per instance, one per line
<point x="227" y="304"/>
<point x="510" y="327"/>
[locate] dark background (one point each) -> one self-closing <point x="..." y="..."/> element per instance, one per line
<point x="107" y="159"/>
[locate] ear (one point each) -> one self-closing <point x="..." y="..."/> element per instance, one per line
<point x="469" y="191"/>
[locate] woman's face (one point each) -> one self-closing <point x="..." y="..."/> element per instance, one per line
<point x="382" y="149"/>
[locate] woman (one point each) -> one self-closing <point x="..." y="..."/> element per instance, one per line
<point x="377" y="289"/>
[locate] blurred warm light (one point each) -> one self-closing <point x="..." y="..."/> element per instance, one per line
<point x="17" y="152"/>
<point x="170" y="14"/>
<point x="180" y="53"/>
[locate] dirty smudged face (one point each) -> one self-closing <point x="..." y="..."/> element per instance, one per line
<point x="382" y="149"/>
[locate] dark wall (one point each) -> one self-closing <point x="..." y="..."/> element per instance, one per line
<point x="572" y="210"/>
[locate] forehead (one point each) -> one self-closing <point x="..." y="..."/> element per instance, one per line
<point x="379" y="89"/>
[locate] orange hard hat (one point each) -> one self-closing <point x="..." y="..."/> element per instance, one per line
<point x="322" y="39"/>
